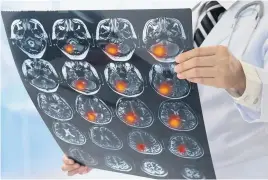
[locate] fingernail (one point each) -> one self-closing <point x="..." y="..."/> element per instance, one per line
<point x="76" y="165"/>
<point x="70" y="161"/>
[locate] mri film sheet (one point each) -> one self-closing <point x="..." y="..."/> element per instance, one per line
<point x="103" y="82"/>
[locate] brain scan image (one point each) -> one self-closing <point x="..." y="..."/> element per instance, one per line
<point x="164" y="81"/>
<point x="82" y="77"/>
<point x="185" y="146"/>
<point x="82" y="156"/>
<point x="117" y="38"/>
<point x="191" y="172"/>
<point x="164" y="38"/>
<point x="177" y="116"/>
<point x="93" y="109"/>
<point x="68" y="133"/>
<point x="30" y="36"/>
<point x="153" y="168"/>
<point x="117" y="163"/>
<point x="134" y="112"/>
<point x="124" y="79"/>
<point x="144" y="143"/>
<point x="105" y="138"/>
<point x="41" y="75"/>
<point x="54" y="106"/>
<point x="71" y="37"/>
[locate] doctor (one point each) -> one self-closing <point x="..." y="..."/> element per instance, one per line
<point x="230" y="65"/>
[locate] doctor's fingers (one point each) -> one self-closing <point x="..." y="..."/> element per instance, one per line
<point x="206" y="61"/>
<point x="67" y="160"/>
<point x="204" y="81"/>
<point x="197" y="52"/>
<point x="198" y="72"/>
<point x="67" y="167"/>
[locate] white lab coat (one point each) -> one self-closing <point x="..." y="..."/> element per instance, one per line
<point x="238" y="146"/>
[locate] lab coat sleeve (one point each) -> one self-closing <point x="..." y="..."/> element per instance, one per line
<point x="253" y="104"/>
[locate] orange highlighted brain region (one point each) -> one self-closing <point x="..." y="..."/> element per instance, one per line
<point x="134" y="112"/>
<point x="177" y="115"/>
<point x="112" y="49"/>
<point x="69" y="48"/>
<point x="159" y="51"/>
<point x="93" y="109"/>
<point x="163" y="79"/>
<point x="124" y="79"/>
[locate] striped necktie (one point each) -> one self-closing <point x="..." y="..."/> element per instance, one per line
<point x="210" y="14"/>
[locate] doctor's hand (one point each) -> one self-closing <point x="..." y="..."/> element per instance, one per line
<point x="73" y="168"/>
<point x="213" y="66"/>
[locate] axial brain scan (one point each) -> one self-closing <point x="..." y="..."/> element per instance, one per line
<point x="144" y="142"/>
<point x="40" y="74"/>
<point x="82" y="77"/>
<point x="54" y="106"/>
<point x="184" y="146"/>
<point x="164" y="81"/>
<point x="117" y="38"/>
<point x="191" y="172"/>
<point x="153" y="168"/>
<point x="93" y="109"/>
<point x="68" y="133"/>
<point x="164" y="38"/>
<point x="71" y="37"/>
<point x="30" y="36"/>
<point x="124" y="79"/>
<point x="177" y="116"/>
<point x="105" y="138"/>
<point x="134" y="112"/>
<point x="117" y="163"/>
<point x="82" y="156"/>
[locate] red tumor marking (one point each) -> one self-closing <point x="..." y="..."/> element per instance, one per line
<point x="130" y="117"/>
<point x="141" y="147"/>
<point x="174" y="121"/>
<point x="121" y="86"/>
<point x="159" y="51"/>
<point x="112" y="49"/>
<point x="80" y="84"/>
<point x="91" y="115"/>
<point x="165" y="88"/>
<point x="69" y="48"/>
<point x="181" y="148"/>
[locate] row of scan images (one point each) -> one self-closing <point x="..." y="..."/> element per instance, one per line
<point x="164" y="38"/>
<point x="148" y="166"/>
<point x="133" y="112"/>
<point x="122" y="77"/>
<point x="180" y="145"/>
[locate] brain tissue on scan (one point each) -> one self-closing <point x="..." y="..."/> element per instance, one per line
<point x="164" y="38"/>
<point x="54" y="106"/>
<point x="105" y="138"/>
<point x="185" y="146"/>
<point x="93" y="109"/>
<point x="134" y="112"/>
<point x="117" y="38"/>
<point x="143" y="142"/>
<point x="191" y="172"/>
<point x="82" y="77"/>
<point x="72" y="38"/>
<point x="117" y="163"/>
<point x="153" y="168"/>
<point x="30" y="36"/>
<point x="68" y="133"/>
<point x="82" y="156"/>
<point x="177" y="116"/>
<point x="164" y="81"/>
<point x="124" y="79"/>
<point x="40" y="74"/>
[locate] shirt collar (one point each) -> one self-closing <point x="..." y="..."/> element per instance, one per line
<point x="227" y="4"/>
